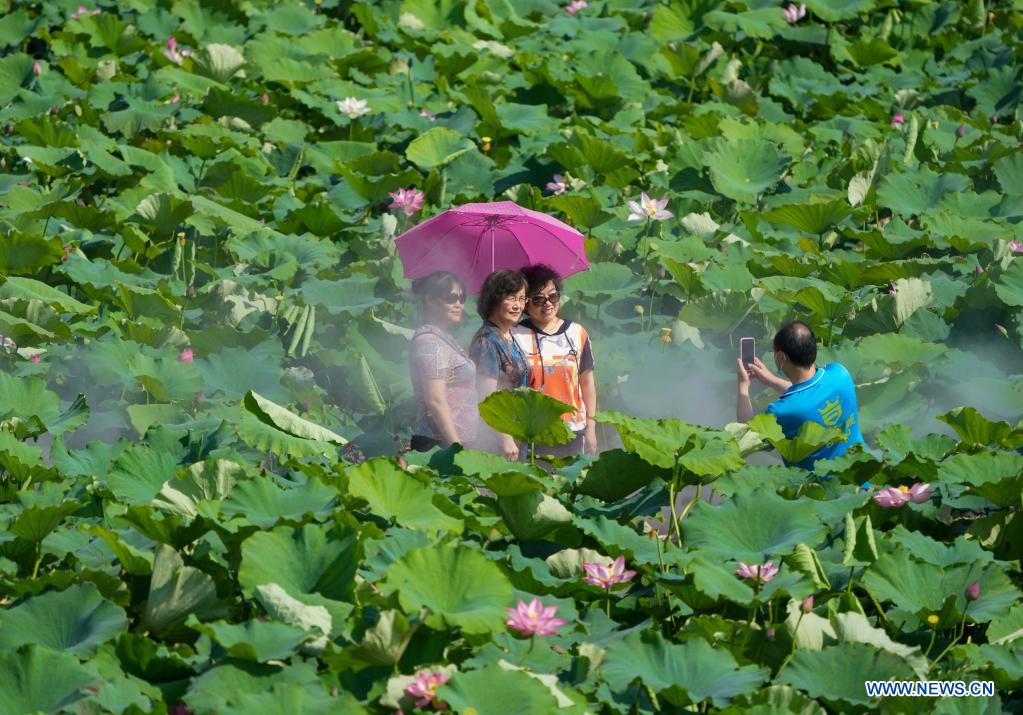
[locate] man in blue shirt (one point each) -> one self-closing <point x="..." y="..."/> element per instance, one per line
<point x="825" y="395"/>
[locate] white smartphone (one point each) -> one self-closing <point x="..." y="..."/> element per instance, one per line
<point x="747" y="350"/>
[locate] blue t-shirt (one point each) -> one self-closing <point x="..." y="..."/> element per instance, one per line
<point x="829" y="399"/>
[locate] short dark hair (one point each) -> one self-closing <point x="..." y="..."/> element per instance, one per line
<point x="438" y="283"/>
<point x="540" y="275"/>
<point x="796" y="339"/>
<point x="497" y="285"/>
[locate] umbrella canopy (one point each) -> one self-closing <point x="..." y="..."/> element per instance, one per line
<point x="473" y="240"/>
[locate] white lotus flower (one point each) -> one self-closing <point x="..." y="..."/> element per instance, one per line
<point x="352" y="107"/>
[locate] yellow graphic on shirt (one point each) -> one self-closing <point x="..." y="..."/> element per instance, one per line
<point x="831" y="413"/>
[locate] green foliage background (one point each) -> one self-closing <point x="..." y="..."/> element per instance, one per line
<point x="211" y="197"/>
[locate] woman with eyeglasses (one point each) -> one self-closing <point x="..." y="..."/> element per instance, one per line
<point x="560" y="359"/>
<point x="443" y="375"/>
<point x="500" y="363"/>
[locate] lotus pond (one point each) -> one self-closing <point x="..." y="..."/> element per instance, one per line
<point x="204" y="344"/>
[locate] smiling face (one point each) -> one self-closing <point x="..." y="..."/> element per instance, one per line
<point x="447" y="308"/>
<point x="544" y="304"/>
<point x="509" y="310"/>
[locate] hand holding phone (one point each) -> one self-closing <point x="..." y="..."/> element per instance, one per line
<point x="747" y="351"/>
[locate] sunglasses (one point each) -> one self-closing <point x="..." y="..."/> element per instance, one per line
<point x="540" y="300"/>
<point x="452" y="298"/>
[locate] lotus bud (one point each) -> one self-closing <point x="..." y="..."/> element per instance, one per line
<point x="307" y="405"/>
<point x="973" y="591"/>
<point x="486" y="143"/>
<point x="639" y="310"/>
<point x="770" y="633"/>
<point x="37" y="69"/>
<point x="265" y="98"/>
<point x="35" y="359"/>
<point x="190" y="291"/>
<point x="994" y="118"/>
<point x="932" y="620"/>
<point x="1001" y="329"/>
<point x="961" y="131"/>
<point x="807" y="604"/>
<point x="616" y="249"/>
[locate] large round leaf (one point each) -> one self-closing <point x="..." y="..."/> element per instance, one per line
<point x="395" y="494"/>
<point x="461" y="588"/>
<point x="263" y="502"/>
<point x="311" y="563"/>
<point x="436" y="147"/>
<point x="688" y="673"/>
<point x="838" y="672"/>
<point x="527" y="415"/>
<point x="815" y="218"/>
<point x="745" y="169"/>
<point x="496" y="691"/>
<point x="753" y="527"/>
<point x="38" y="679"/>
<point x="77" y="620"/>
<point x="616" y="474"/>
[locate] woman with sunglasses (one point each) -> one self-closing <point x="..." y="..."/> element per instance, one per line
<point x="560" y="358"/>
<point x="443" y="375"/>
<point x="500" y="363"/>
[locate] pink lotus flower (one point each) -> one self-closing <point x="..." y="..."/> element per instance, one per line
<point x="979" y="270"/>
<point x="647" y="208"/>
<point x="429" y="115"/>
<point x="794" y="14"/>
<point x="895" y="497"/>
<point x="1016" y="246"/>
<point x="35" y="359"/>
<point x="67" y="252"/>
<point x="425" y="688"/>
<point x="807" y="604"/>
<point x="172" y="53"/>
<point x="1001" y="329"/>
<point x="534" y="619"/>
<point x="558" y="186"/>
<point x="186" y="355"/>
<point x="604" y="576"/>
<point x="37" y="69"/>
<point x="264" y="98"/>
<point x="410" y="199"/>
<point x="762" y="573"/>
<point x="973" y="591"/>
<point x="83" y="11"/>
<point x="897" y="119"/>
<point x="175" y="99"/>
<point x="573" y="7"/>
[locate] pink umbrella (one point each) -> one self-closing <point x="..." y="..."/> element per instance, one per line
<point x="473" y="240"/>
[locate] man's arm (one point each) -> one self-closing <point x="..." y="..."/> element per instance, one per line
<point x="743" y="404"/>
<point x="760" y="371"/>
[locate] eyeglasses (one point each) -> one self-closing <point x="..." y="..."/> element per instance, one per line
<point x="452" y="298"/>
<point x="515" y="299"/>
<point x="541" y="299"/>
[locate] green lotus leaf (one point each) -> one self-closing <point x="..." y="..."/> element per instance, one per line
<point x="162" y="213"/>
<point x="745" y="169"/>
<point x="815" y="218"/>
<point x="387" y="640"/>
<point x="1009" y="170"/>
<point x="289" y="698"/>
<point x="35" y="522"/>
<point x="997" y="476"/>
<point x="226" y="684"/>
<point x="838" y="10"/>
<point x="352" y="295"/>
<point x="860" y="545"/>
<point x="132" y="560"/>
<point x="810" y="437"/>
<point x="15" y="73"/>
<point x="871" y="52"/>
<point x="533" y="515"/>
<point x="438" y="146"/>
<point x="471" y="595"/>
<point x="316" y="622"/>
<point x="1007" y="628"/>
<point x="313" y="563"/>
<point x="528" y="415"/>
<point x="262" y="501"/>
<point x="395" y="494"/>
<point x="837" y="673"/>
<point x="528" y="119"/>
<point x="898" y="351"/>
<point x="218" y="62"/>
<point x="672" y="22"/>
<point x="177" y="591"/>
<point x="761" y="22"/>
<point x="493" y="690"/>
<point x="582" y="211"/>
<point x="999" y="92"/>
<point x="602" y="281"/>
<point x="772" y="526"/>
<point x="268" y="438"/>
<point x="253" y="640"/>
<point x="1009" y="285"/>
<point x="21" y="253"/>
<point x="139" y="473"/>
<point x="77" y="620"/>
<point x="658" y="442"/>
<point x="925" y="589"/>
<point x="616" y="474"/>
<point x="975" y="429"/>
<point x="924" y="548"/>
<point x="920" y="191"/>
<point x="233" y="371"/>
<point x="38" y="679"/>
<point x="274" y="415"/>
<point x="688" y="673"/>
<point x="620" y="540"/>
<point x="17" y="289"/>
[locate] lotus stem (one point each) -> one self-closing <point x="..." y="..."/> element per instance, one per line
<point x="792" y="651"/>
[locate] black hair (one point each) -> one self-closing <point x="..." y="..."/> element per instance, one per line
<point x="498" y="285"/>
<point x="540" y="275"/>
<point x="796" y="339"/>
<point x="438" y="283"/>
